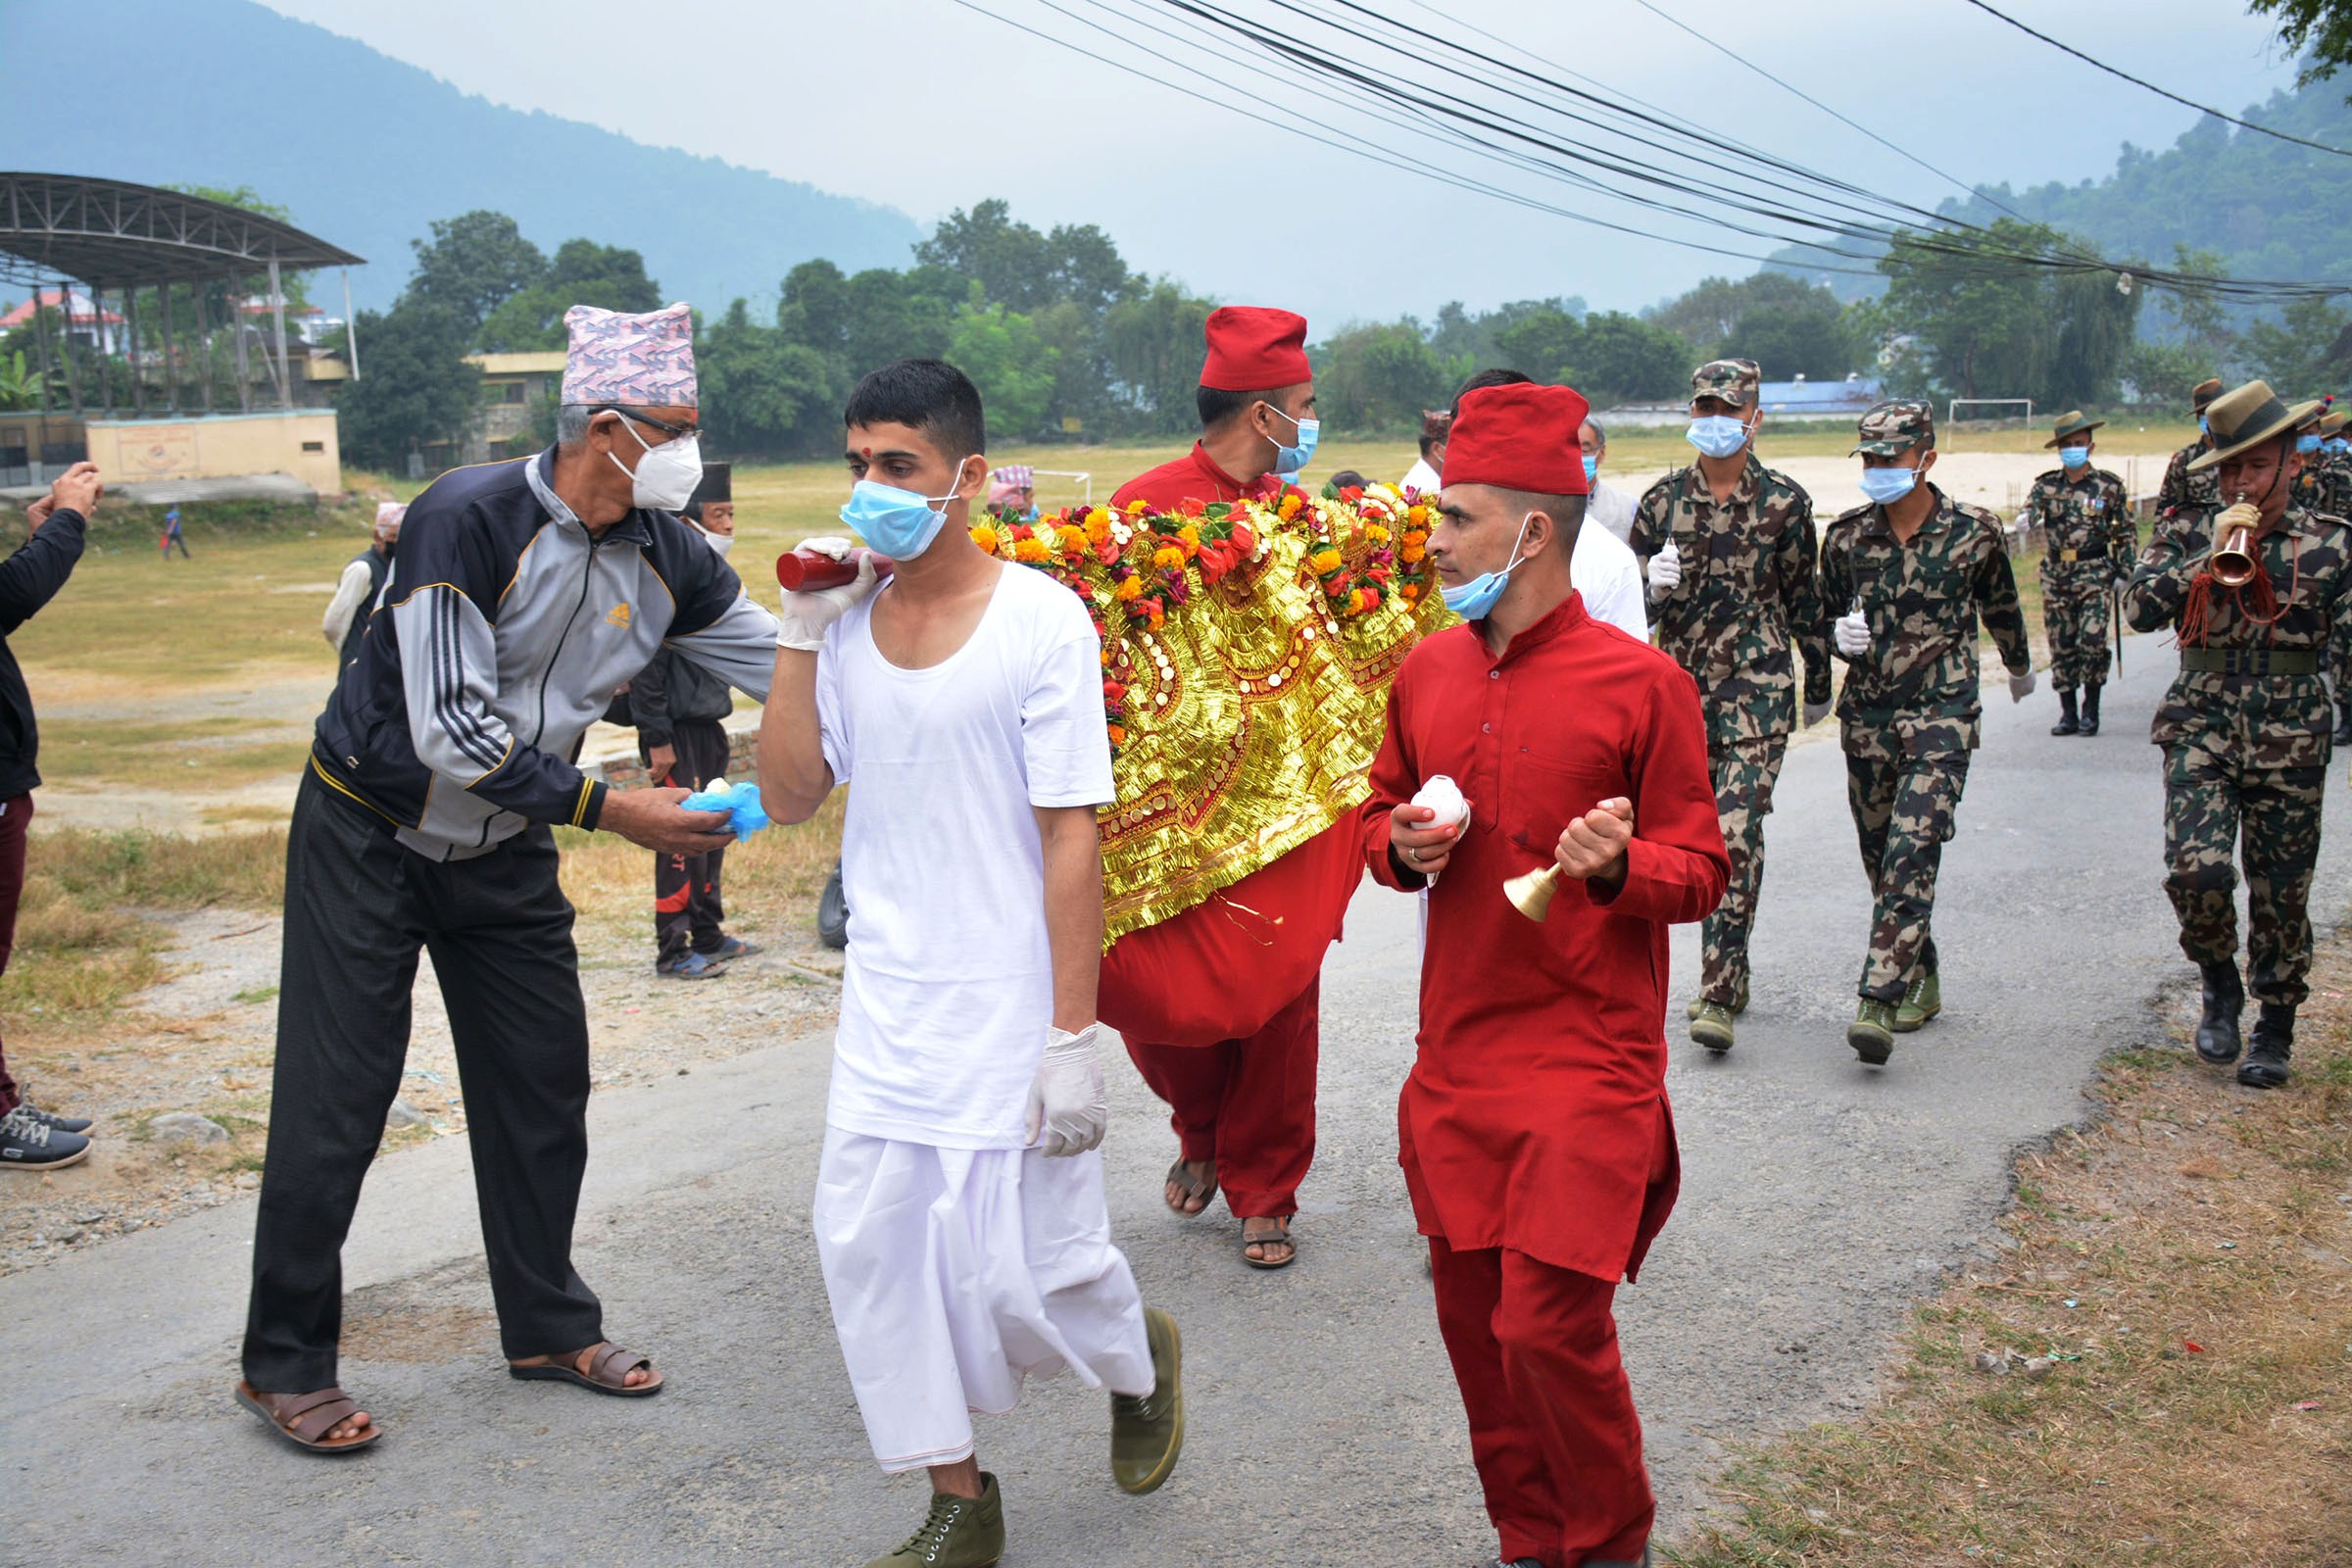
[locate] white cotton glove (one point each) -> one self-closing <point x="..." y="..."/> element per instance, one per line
<point x="1067" y="1102"/>
<point x="1852" y="633"/>
<point x="1815" y="713"/>
<point x="2021" y="687"/>
<point x="1665" y="571"/>
<point x="810" y="612"/>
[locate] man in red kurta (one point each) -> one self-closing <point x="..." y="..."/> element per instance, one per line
<point x="1244" y="1107"/>
<point x="1534" y="1130"/>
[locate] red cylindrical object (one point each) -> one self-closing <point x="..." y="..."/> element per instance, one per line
<point x="796" y="569"/>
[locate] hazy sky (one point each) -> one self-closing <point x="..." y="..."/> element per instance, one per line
<point x="927" y="105"/>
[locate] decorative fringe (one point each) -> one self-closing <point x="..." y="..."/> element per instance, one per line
<point x="2257" y="598"/>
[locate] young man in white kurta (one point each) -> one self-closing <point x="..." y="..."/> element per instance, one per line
<point x="959" y="1212"/>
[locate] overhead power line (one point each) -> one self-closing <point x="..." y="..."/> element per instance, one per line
<point x="2186" y="102"/>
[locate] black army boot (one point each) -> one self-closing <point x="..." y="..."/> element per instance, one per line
<point x="2090" y="711"/>
<point x="2068" y="723"/>
<point x="2224" y="1000"/>
<point x="2343" y="721"/>
<point x="2265" y="1067"/>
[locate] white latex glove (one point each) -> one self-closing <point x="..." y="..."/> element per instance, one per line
<point x="1815" y="713"/>
<point x="1852" y="633"/>
<point x="1665" y="571"/>
<point x="2021" y="687"/>
<point x="1069" y="1109"/>
<point x="808" y="612"/>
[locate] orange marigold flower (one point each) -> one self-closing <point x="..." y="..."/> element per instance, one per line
<point x="1029" y="550"/>
<point x="1411" y="553"/>
<point x="1190" y="533"/>
<point x="1375" y="533"/>
<point x="1070" y="541"/>
<point x="1324" y="560"/>
<point x="1128" y="588"/>
<point x="1417" y="515"/>
<point x="1119" y="734"/>
<point x="1097" y="524"/>
<point x="1292" y="501"/>
<point x="1355" y="601"/>
<point x="986" y="538"/>
<point x="1137" y="507"/>
<point x="1170" y="556"/>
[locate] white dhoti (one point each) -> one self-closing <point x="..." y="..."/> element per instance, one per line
<point x="956" y="1273"/>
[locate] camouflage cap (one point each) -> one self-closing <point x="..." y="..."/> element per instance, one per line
<point x="1894" y="427"/>
<point x="1733" y="381"/>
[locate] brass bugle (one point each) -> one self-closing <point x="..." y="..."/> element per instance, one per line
<point x="2232" y="564"/>
<point x="2234" y="558"/>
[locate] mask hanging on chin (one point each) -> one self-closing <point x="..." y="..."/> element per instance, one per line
<point x="665" y="477"/>
<point x="1473" y="599"/>
<point x="719" y="541"/>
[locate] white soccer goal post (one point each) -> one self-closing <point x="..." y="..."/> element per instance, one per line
<point x="1083" y="482"/>
<point x="1951" y="410"/>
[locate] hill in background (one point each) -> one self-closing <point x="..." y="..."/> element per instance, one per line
<point x="367" y="151"/>
<point x="2272" y="209"/>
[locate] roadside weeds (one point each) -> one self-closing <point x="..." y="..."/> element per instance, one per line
<point x="2154" y="1368"/>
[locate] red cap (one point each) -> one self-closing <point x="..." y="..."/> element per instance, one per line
<point x="1519" y="437"/>
<point x="1254" y="349"/>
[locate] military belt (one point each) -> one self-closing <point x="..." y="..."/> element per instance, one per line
<point x="2249" y="662"/>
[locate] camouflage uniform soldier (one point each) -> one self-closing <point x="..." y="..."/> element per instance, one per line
<point x="2335" y="457"/>
<point x="2325" y="485"/>
<point x="2244" y="726"/>
<point x="2086" y="517"/>
<point x="1728" y="548"/>
<point x="1914" y="569"/>
<point x="2182" y="489"/>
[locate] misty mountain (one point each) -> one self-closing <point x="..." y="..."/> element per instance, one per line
<point x="367" y="151"/>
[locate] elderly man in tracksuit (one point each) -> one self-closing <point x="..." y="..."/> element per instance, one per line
<point x="524" y="592"/>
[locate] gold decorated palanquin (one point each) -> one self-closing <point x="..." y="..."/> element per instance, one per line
<point x="1247" y="649"/>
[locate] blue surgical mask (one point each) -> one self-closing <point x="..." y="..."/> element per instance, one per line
<point x="2336" y="444"/>
<point x="1718" y="435"/>
<point x="900" y="524"/>
<point x="2073" y="457"/>
<point x="1886" y="486"/>
<point x="1290" y="460"/>
<point x="1474" y="599"/>
<point x="1592" y="468"/>
<point x="2307" y="444"/>
<point x="2202" y="428"/>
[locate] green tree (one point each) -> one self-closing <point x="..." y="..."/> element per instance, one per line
<point x="1009" y="260"/>
<point x="1379" y="377"/>
<point x="2318" y="31"/>
<point x="1620" y="357"/>
<point x="2097" y="324"/>
<point x="1152" y="342"/>
<point x="417" y="389"/>
<point x="2295" y="353"/>
<point x="1538" y="340"/>
<point x="1009" y="361"/>
<point x="762" y="394"/>
<point x="473" y="263"/>
<point x="1789" y="326"/>
<point x="583" y="273"/>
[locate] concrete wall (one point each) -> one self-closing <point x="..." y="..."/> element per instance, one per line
<point x="301" y="442"/>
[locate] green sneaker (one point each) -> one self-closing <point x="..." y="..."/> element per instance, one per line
<point x="961" y="1532"/>
<point x="1738" y="1004"/>
<point x="1712" y="1027"/>
<point x="1872" y="1033"/>
<point x="1922" y="1001"/>
<point x="1147" y="1433"/>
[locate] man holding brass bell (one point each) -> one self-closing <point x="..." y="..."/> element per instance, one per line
<point x="2259" y="594"/>
<point x="2085" y="518"/>
<point x="1913" y="571"/>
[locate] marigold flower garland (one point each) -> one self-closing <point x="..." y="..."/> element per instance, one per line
<point x="1134" y="565"/>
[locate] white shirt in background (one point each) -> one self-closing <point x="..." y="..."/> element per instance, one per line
<point x="351" y="593"/>
<point x="948" y="984"/>
<point x="1612" y="509"/>
<point x="1603" y="570"/>
<point x="1422" y="477"/>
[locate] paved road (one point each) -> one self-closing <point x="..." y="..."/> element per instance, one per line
<point x="1820" y="1198"/>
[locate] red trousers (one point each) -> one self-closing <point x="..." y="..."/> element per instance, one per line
<point x="1247" y="1104"/>
<point x="1552" y="1428"/>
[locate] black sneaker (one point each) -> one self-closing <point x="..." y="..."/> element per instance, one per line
<point x="53" y="1121"/>
<point x="32" y="1145"/>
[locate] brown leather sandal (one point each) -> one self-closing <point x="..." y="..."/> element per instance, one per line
<point x="305" y="1419"/>
<point x="607" y="1371"/>
<point x="1279" y="1236"/>
<point x="1204" y="1188"/>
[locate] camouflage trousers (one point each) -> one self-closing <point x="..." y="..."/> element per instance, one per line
<point x="2217" y="812"/>
<point x="2074" y="615"/>
<point x="1904" y="807"/>
<point x="1744" y="771"/>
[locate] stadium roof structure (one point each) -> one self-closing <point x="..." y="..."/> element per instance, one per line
<point x="115" y="235"/>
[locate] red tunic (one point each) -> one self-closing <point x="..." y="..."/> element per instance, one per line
<point x="1210" y="974"/>
<point x="1532" y="1116"/>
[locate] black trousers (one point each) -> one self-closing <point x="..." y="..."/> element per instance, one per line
<point x="358" y="908"/>
<point x="687" y="907"/>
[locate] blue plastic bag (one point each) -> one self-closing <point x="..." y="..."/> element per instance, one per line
<point x="741" y="803"/>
